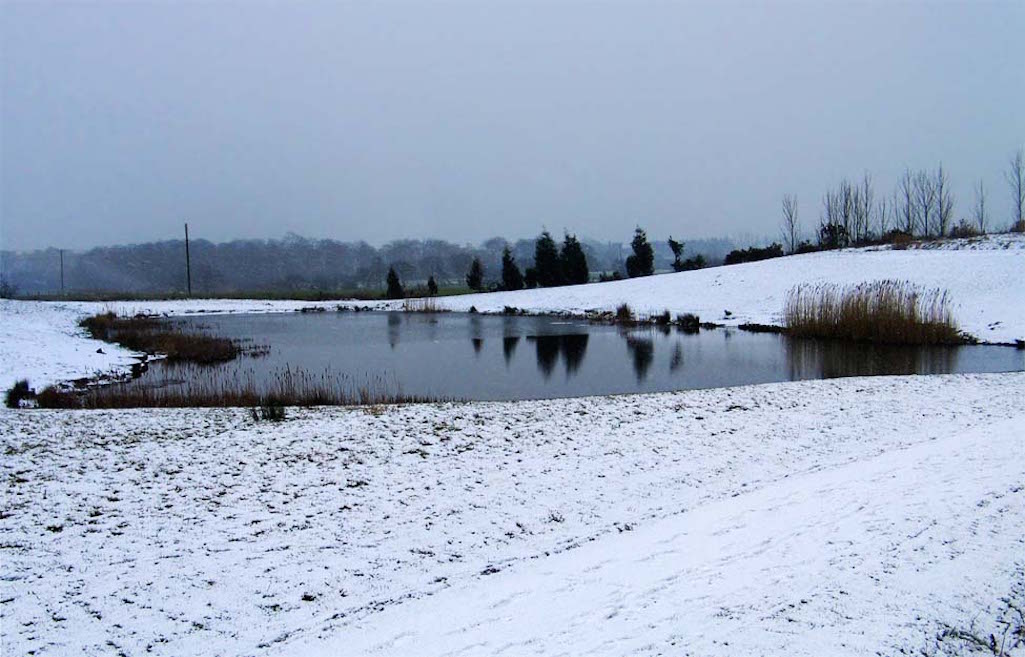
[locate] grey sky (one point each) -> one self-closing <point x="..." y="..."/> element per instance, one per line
<point x="466" y="120"/>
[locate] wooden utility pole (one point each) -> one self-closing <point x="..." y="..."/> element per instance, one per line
<point x="62" y="271"/>
<point x="188" y="263"/>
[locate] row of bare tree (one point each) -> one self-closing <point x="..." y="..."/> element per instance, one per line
<point x="922" y="205"/>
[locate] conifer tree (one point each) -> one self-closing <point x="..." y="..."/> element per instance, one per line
<point x="546" y="261"/>
<point x="677" y="249"/>
<point x="574" y="262"/>
<point x="432" y="286"/>
<point x="530" y="278"/>
<point x="512" y="279"/>
<point x="475" y="277"/>
<point x="395" y="290"/>
<point x="642" y="262"/>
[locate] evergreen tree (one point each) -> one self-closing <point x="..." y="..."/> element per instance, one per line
<point x="574" y="262"/>
<point x="512" y="279"/>
<point x="432" y="286"/>
<point x="530" y="278"/>
<point x="475" y="277"/>
<point x="642" y="262"/>
<point x="677" y="249"/>
<point x="395" y="290"/>
<point x="546" y="261"/>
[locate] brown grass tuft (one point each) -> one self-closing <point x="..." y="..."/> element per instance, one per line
<point x="155" y="335"/>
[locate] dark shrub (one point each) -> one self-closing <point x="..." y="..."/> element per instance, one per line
<point x="963" y="229"/>
<point x="833" y="236"/>
<point x="693" y="263"/>
<point x="898" y="238"/>
<point x="54" y="397"/>
<point x="806" y="247"/>
<point x="19" y="391"/>
<point x="624" y="314"/>
<point x="689" y="322"/>
<point x="754" y="254"/>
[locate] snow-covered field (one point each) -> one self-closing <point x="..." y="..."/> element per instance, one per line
<point x="830" y="517"/>
<point x="841" y="517"/>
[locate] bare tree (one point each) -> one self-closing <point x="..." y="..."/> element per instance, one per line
<point x="791" y="226"/>
<point x="1016" y="179"/>
<point x="944" y="201"/>
<point x="863" y="199"/>
<point x="980" y="207"/>
<point x="905" y="210"/>
<point x="925" y="201"/>
<point x="883" y="217"/>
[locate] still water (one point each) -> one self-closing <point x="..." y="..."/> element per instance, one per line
<point x="460" y="356"/>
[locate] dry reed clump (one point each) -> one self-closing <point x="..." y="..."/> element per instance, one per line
<point x="885" y="312"/>
<point x="156" y="335"/>
<point x="190" y="386"/>
<point x="422" y="305"/>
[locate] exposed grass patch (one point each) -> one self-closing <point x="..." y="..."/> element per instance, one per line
<point x="884" y="312"/>
<point x="155" y="335"/>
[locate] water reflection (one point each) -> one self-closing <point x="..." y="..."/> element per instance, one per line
<point x="478" y="344"/>
<point x="676" y="360"/>
<point x="572" y="347"/>
<point x="394" y="328"/>
<point x="812" y="359"/>
<point x="509" y="343"/>
<point x="642" y="353"/>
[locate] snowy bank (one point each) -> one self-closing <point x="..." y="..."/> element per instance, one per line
<point x="825" y="517"/>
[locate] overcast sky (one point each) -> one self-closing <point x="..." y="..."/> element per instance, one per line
<point x="378" y="121"/>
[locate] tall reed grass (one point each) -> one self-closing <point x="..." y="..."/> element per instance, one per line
<point x="188" y="385"/>
<point x="422" y="305"/>
<point x="883" y="312"/>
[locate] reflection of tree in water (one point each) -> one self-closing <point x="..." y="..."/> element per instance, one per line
<point x="642" y="350"/>
<point x="676" y="362"/>
<point x="547" y="352"/>
<point x="509" y="343"/>
<point x="828" y="359"/>
<point x="549" y="347"/>
<point x="394" y="324"/>
<point x="573" y="348"/>
<point x="478" y="344"/>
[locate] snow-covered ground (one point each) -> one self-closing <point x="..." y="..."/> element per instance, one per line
<point x="829" y="517"/>
<point x="985" y="278"/>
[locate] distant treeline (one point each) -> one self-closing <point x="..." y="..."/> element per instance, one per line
<point x="297" y="264"/>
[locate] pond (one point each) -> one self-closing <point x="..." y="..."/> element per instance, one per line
<point x="487" y="357"/>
